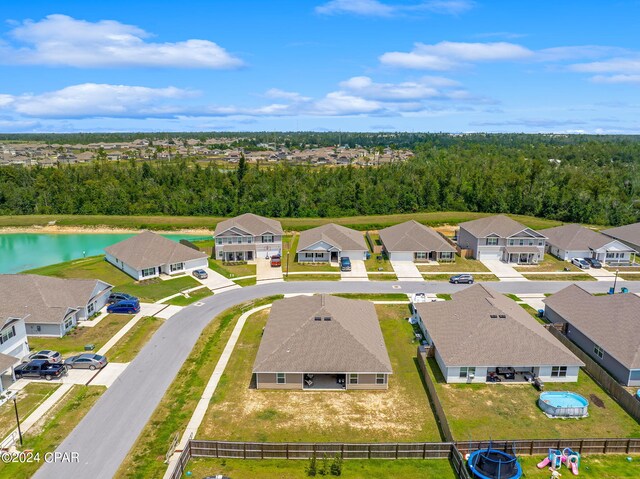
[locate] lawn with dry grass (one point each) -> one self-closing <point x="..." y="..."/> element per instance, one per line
<point x="402" y="413"/>
<point x="510" y="411"/>
<point x="550" y="264"/>
<point x="460" y="265"/>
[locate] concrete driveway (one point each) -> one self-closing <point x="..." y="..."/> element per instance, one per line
<point x="216" y="282"/>
<point x="358" y="272"/>
<point x="102" y="377"/>
<point x="601" y="274"/>
<point x="406" y="271"/>
<point x="265" y="272"/>
<point x="502" y="270"/>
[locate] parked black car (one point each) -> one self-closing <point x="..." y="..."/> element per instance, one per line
<point x="39" y="368"/>
<point x="117" y="297"/>
<point x="594" y="263"/>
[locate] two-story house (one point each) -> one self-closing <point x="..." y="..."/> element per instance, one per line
<point x="501" y="238"/>
<point x="13" y="342"/>
<point x="247" y="237"/>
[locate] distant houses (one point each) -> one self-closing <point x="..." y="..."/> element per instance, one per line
<point x="50" y="306"/>
<point x="148" y="255"/>
<point x="247" y="237"/>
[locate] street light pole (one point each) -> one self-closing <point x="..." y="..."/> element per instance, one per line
<point x="615" y="281"/>
<point x="15" y="406"/>
<point x="287" y="264"/>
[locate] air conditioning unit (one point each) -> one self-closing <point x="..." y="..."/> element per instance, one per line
<point x="471" y="376"/>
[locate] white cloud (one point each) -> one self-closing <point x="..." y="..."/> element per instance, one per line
<point x="448" y="55"/>
<point x="287" y="95"/>
<point x="375" y="8"/>
<point x="616" y="79"/>
<point x="427" y="87"/>
<point x="60" y="40"/>
<point x="614" y="65"/>
<point x="97" y="100"/>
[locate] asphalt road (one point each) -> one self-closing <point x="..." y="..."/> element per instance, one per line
<point x="108" y="431"/>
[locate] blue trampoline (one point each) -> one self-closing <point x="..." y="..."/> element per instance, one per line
<point x="494" y="464"/>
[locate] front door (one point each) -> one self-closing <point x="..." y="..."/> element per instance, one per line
<point x="334" y="256"/>
<point x="249" y="255"/>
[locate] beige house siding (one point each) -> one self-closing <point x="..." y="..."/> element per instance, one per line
<point x="367" y="381"/>
<point x="268" y="381"/>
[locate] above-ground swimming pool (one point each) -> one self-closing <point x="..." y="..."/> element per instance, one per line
<point x="563" y="404"/>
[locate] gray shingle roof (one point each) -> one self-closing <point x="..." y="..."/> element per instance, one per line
<point x="252" y="224"/>
<point x="465" y="333"/>
<point x="501" y="225"/>
<point x="293" y="341"/>
<point x="44" y="299"/>
<point x="150" y="249"/>
<point x="6" y="362"/>
<point x="575" y="237"/>
<point x="413" y="236"/>
<point x="629" y="234"/>
<point x="610" y="321"/>
<point x="343" y="238"/>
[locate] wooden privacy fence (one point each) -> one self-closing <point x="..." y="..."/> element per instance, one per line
<point x="623" y="397"/>
<point x="375" y="248"/>
<point x="181" y="464"/>
<point x="534" y="447"/>
<point x="441" y="417"/>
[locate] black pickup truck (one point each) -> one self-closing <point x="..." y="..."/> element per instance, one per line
<point x="40" y="368"/>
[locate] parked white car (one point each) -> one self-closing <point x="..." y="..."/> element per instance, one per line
<point x="580" y="263"/>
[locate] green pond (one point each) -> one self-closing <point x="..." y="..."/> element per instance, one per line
<point x="22" y="251"/>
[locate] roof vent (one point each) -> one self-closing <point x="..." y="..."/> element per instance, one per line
<point x="502" y="316"/>
<point x="327" y="318"/>
<point x="317" y="318"/>
<point x="493" y="316"/>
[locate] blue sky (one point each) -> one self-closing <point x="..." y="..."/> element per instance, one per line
<point x="360" y="65"/>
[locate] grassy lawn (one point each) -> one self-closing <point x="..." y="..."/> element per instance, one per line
<point x="510" y="411"/>
<point x="375" y="297"/>
<point x="312" y="277"/>
<point x="533" y="313"/>
<point x="292" y="242"/>
<point x="172" y="415"/>
<point x="373" y="263"/>
<point x="238" y="412"/>
<point x="96" y="267"/>
<point x="559" y="277"/>
<point x="61" y="420"/>
<point x="446" y="276"/>
<point x="208" y="222"/>
<point x="445" y="296"/>
<point x="232" y="271"/>
<point x="382" y="277"/>
<point x="246" y="282"/>
<point x="351" y="469"/>
<point x="75" y="340"/>
<point x="630" y="276"/>
<point x="462" y="265"/>
<point x="610" y="466"/>
<point x="193" y="297"/>
<point x="28" y="400"/>
<point x="130" y="345"/>
<point x="550" y="264"/>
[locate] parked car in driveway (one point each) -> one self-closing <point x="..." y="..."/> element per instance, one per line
<point x="124" y="307"/>
<point x="461" y="278"/>
<point x="345" y="264"/>
<point x="200" y="274"/>
<point x="594" y="263"/>
<point x="117" y="297"/>
<point x="86" y="361"/>
<point x="40" y="368"/>
<point x="276" y="261"/>
<point x="580" y="263"/>
<point x="51" y="356"/>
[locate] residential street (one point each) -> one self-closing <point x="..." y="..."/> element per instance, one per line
<point x="103" y="438"/>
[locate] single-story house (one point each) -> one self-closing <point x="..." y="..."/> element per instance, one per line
<point x="413" y="241"/>
<point x="50" y="306"/>
<point x="331" y="242"/>
<point x="575" y="241"/>
<point x="148" y="255"/>
<point x="605" y="327"/>
<point x="480" y="332"/>
<point x="628" y="234"/>
<point x="247" y="237"/>
<point x="322" y="342"/>
<point x="13" y="343"/>
<point x="499" y="237"/>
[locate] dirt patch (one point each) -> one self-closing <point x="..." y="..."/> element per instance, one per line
<point x="596" y="400"/>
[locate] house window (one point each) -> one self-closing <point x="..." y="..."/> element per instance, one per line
<point x="280" y="378"/>
<point x="319" y="255"/>
<point x="466" y="372"/>
<point x="250" y="239"/>
<point x="598" y="351"/>
<point x="421" y="255"/>
<point x="559" y="372"/>
<point x="511" y="242"/>
<point x="219" y="241"/>
<point x="148" y="272"/>
<point x="68" y="323"/>
<point x="492" y="241"/>
<point x="176" y="267"/>
<point x="308" y="255"/>
<point x="353" y="379"/>
<point x="381" y="379"/>
<point x="446" y="255"/>
<point x="91" y="308"/>
<point x="220" y="254"/>
<point x="267" y="238"/>
<point x="229" y="240"/>
<point x="540" y="242"/>
<point x="7" y="334"/>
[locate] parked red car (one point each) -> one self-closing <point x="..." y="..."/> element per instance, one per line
<point x="276" y="261"/>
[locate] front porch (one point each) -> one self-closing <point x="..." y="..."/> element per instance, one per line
<point x="234" y="256"/>
<point x="324" y="382"/>
<point x="522" y="255"/>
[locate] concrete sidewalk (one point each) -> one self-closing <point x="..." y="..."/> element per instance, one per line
<point x="210" y="389"/>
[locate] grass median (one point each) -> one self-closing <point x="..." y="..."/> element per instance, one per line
<point x="28" y="400"/>
<point x="130" y="345"/>
<point x="146" y="457"/>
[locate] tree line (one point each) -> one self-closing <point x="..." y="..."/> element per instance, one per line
<point x="590" y="182"/>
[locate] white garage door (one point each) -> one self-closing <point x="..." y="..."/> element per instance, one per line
<point x="490" y="255"/>
<point x="401" y="256"/>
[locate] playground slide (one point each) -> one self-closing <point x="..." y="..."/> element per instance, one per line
<point x="574" y="468"/>
<point x="544" y="463"/>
